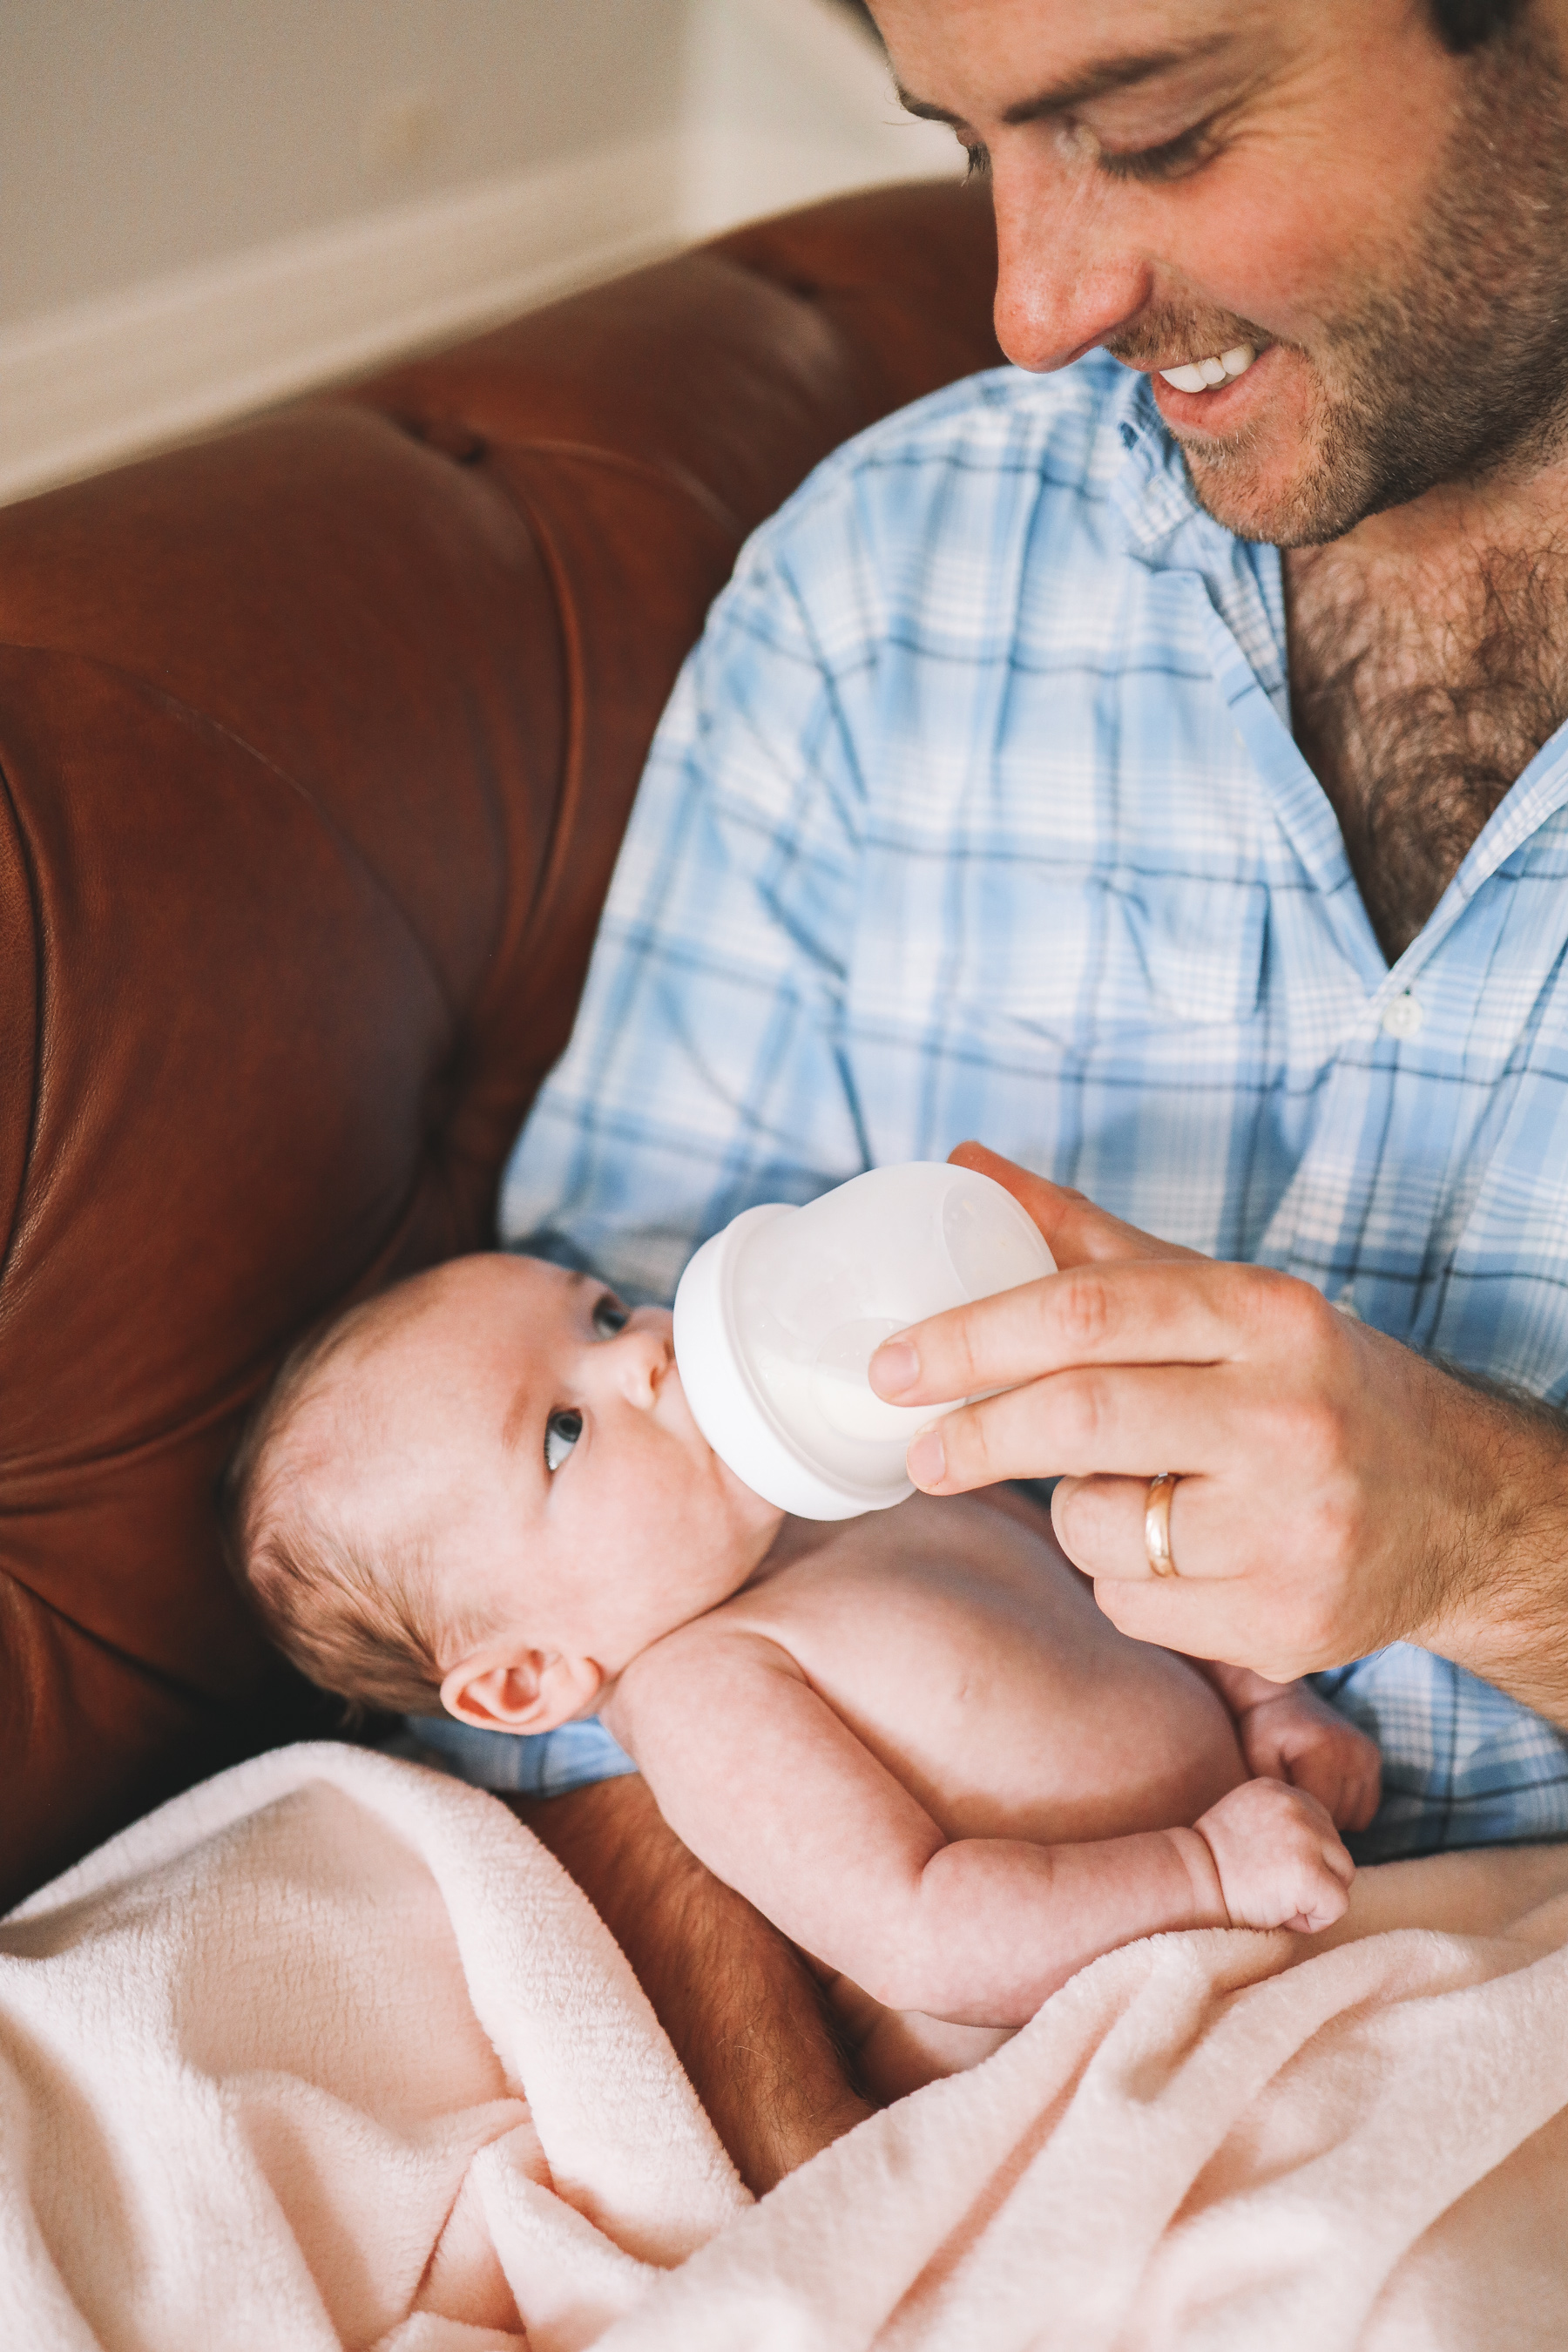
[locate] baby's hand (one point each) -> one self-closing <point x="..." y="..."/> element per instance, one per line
<point x="1278" y="1856"/>
<point x="1293" y="1735"/>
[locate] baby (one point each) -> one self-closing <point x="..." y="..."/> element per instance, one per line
<point x="911" y="1739"/>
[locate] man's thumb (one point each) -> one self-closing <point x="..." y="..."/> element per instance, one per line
<point x="1075" y="1232"/>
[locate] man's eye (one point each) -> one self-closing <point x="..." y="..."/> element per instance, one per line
<point x="562" y="1431"/>
<point x="1170" y="160"/>
<point x="609" y="1317"/>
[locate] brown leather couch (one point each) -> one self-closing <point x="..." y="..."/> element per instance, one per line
<point x="316" y="742"/>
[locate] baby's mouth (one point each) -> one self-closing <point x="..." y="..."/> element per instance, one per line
<point x="672" y="1387"/>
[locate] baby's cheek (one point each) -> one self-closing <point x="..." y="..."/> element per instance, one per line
<point x="664" y="1523"/>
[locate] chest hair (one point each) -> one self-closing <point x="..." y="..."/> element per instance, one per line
<point x="1417" y="702"/>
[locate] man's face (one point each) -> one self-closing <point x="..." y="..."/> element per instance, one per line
<point x="1383" y="225"/>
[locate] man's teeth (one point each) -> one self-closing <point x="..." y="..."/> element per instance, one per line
<point x="1200" y="376"/>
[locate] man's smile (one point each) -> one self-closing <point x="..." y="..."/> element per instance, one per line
<point x="1208" y="374"/>
<point x="1192" y="398"/>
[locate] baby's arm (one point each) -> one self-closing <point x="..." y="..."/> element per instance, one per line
<point x="774" y="1791"/>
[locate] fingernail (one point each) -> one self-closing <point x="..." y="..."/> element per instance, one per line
<point x="926" y="1460"/>
<point x="894" y="1368"/>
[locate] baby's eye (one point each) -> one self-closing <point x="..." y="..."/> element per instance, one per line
<point x="562" y="1431"/>
<point x="609" y="1317"/>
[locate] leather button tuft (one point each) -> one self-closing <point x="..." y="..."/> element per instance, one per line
<point x="451" y="438"/>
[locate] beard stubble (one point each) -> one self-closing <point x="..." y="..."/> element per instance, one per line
<point x="1453" y="370"/>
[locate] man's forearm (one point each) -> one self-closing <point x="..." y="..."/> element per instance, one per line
<point x="1504" y="1612"/>
<point x="740" y="2006"/>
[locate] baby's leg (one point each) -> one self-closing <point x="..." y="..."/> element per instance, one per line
<point x="893" y="2052"/>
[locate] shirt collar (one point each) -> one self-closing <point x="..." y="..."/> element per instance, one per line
<point x="1150" y="492"/>
<point x="1162" y="527"/>
<point x="1166" y="530"/>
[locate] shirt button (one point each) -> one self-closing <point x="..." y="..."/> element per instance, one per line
<point x="1402" y="1016"/>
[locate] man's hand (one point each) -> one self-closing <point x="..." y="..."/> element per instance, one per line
<point x="1288" y="1733"/>
<point x="742" y="2009"/>
<point x="1337" y="1492"/>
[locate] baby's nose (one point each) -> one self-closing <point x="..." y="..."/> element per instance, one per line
<point x="643" y="1357"/>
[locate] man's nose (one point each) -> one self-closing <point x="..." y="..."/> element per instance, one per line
<point x="1067" y="278"/>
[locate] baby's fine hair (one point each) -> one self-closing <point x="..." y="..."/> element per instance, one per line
<point x="362" y="1623"/>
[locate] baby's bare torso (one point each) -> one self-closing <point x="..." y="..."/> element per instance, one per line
<point x="915" y="1744"/>
<point x="963" y="1651"/>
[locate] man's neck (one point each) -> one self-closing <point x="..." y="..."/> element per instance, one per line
<point x="1428" y="663"/>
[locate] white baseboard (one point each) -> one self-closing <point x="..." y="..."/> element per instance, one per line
<point x="86" y="387"/>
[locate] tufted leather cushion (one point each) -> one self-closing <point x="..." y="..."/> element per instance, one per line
<point x="316" y="743"/>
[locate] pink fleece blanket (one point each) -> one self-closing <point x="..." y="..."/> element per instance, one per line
<point x="330" y="2052"/>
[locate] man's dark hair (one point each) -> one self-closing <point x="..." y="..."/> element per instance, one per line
<point x="1465" y="24"/>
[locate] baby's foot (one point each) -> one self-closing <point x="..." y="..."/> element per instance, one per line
<point x="1280" y="1860"/>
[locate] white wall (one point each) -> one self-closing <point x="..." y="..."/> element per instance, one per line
<point x="785" y="101"/>
<point x="209" y="205"/>
<point x="141" y="136"/>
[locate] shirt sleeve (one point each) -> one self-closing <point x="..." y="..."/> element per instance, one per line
<point x="706" y="1070"/>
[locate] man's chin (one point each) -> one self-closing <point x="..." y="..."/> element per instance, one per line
<point x="1282" y="501"/>
<point x="1286" y="477"/>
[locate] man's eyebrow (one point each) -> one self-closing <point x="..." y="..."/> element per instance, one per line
<point x="1093" y="82"/>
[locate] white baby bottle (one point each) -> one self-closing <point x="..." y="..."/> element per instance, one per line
<point x="778" y="1316"/>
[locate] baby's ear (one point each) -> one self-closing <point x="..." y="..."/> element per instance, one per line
<point x="521" y="1691"/>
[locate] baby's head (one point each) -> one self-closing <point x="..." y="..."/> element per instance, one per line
<point x="484" y="1490"/>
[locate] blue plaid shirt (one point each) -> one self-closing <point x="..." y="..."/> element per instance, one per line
<point x="977" y="812"/>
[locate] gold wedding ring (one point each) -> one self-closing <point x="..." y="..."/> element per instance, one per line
<point x="1157" y="1524"/>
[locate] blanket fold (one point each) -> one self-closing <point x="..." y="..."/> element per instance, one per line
<point x="330" y="2052"/>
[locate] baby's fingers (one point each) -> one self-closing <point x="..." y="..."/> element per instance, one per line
<point x="1350" y="1786"/>
<point x="1345" y="1772"/>
<point x="1337" y="1862"/>
<point x="1328" y="1914"/>
<point x="1280" y="1860"/>
<point x="1326" y="1892"/>
<point x="1321" y="1773"/>
<point x="1345" y="1793"/>
<point x="1361" y="1801"/>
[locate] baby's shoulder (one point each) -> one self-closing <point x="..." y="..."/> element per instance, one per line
<point x="727" y="1642"/>
<point x="721" y="1661"/>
